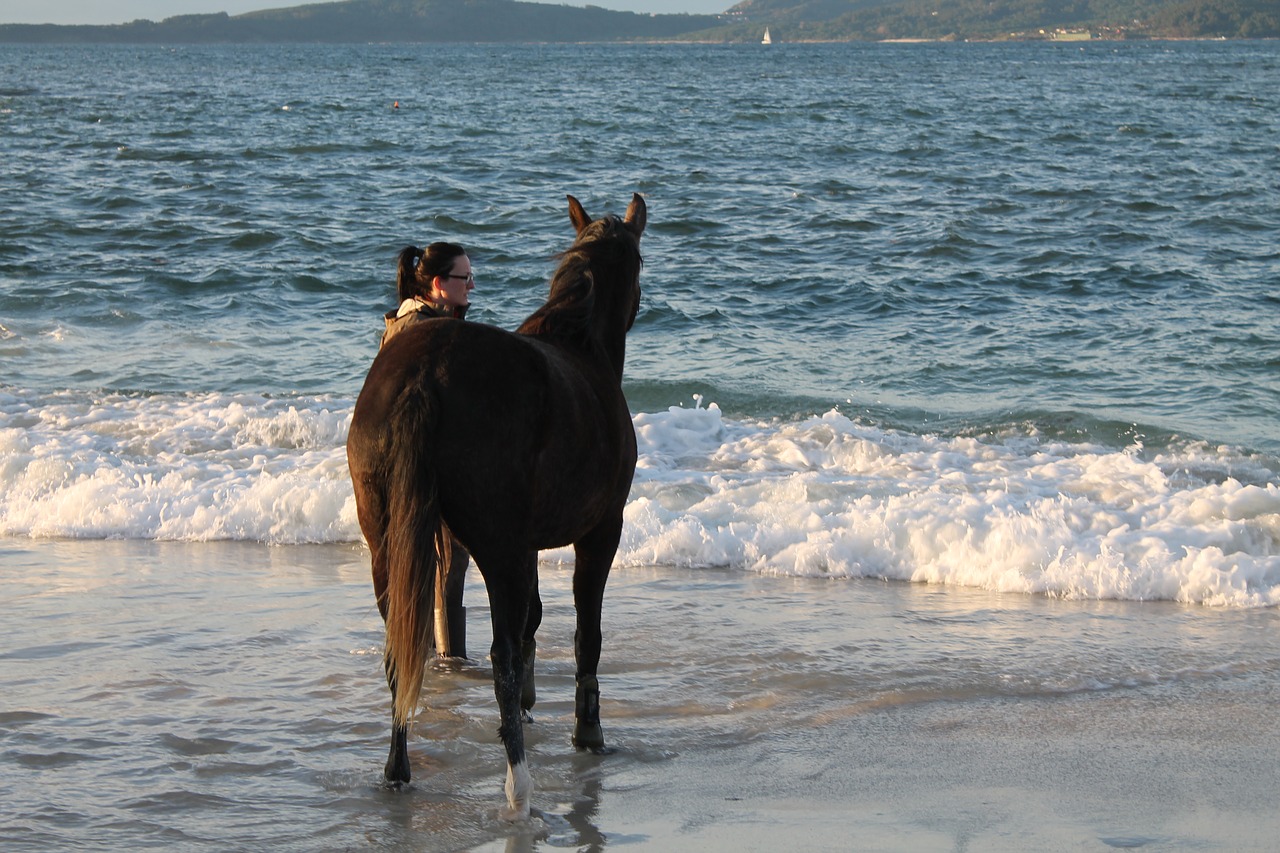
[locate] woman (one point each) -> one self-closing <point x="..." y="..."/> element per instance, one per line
<point x="434" y="283"/>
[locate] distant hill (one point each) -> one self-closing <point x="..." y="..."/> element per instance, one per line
<point x="808" y="20"/>
<point x="878" y="20"/>
<point x="359" y="21"/>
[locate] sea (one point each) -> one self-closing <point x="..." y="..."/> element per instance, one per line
<point x="956" y="381"/>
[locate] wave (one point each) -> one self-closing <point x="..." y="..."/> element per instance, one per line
<point x="194" y="467"/>
<point x="1010" y="508"/>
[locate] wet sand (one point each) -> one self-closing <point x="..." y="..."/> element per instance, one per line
<point x="229" y="696"/>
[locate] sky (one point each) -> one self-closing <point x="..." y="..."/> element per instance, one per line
<point x="123" y="11"/>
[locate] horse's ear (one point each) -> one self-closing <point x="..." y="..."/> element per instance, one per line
<point x="637" y="213"/>
<point x="577" y="215"/>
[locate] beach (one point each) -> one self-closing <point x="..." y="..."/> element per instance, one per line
<point x="229" y="696"/>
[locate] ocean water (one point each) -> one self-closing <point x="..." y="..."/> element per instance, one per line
<point x="993" y="315"/>
<point x="996" y="323"/>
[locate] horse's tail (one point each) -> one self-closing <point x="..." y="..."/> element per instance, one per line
<point x="417" y="545"/>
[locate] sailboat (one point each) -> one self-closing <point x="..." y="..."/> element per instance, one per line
<point x="768" y="39"/>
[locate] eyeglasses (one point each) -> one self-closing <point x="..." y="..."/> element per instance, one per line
<point x="469" y="278"/>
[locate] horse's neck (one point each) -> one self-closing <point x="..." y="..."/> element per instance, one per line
<point x="605" y="357"/>
<point x="602" y="342"/>
<point x="616" y="352"/>
<point x="611" y="326"/>
<point x="610" y="337"/>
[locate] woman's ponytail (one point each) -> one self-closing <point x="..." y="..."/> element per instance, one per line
<point x="407" y="274"/>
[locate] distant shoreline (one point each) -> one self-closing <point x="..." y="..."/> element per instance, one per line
<point x="629" y="42"/>
<point x="789" y="21"/>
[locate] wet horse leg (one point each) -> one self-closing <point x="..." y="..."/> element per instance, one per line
<point x="593" y="559"/>
<point x="529" y="647"/>
<point x="371" y="515"/>
<point x="510" y="587"/>
<point x="396" y="771"/>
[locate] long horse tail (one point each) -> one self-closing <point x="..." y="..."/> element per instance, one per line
<point x="417" y="545"/>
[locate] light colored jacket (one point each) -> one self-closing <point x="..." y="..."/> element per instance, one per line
<point x="413" y="311"/>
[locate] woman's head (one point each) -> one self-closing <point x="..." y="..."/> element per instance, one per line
<point x="441" y="274"/>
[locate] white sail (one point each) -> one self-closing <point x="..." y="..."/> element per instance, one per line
<point x="768" y="39"/>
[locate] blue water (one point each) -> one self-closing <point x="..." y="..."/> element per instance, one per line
<point x="937" y="254"/>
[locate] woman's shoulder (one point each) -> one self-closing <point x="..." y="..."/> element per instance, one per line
<point x="396" y="325"/>
<point x="397" y="322"/>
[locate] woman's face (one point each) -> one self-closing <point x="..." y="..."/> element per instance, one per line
<point x="454" y="289"/>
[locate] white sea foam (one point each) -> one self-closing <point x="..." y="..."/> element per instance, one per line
<point x="1013" y="512"/>
<point x="193" y="467"/>
<point x="822" y="496"/>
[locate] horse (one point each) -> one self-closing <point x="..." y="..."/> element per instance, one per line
<point x="512" y="442"/>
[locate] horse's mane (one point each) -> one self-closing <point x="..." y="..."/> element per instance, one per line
<point x="570" y="309"/>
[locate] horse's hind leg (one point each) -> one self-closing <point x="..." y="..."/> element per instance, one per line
<point x="510" y="587"/>
<point x="396" y="771"/>
<point x="397" y="768"/>
<point x="529" y="647"/>
<point x="370" y="511"/>
<point x="593" y="559"/>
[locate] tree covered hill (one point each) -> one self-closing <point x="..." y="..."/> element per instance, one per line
<point x="356" y="21"/>
<point x="1001" y="19"/>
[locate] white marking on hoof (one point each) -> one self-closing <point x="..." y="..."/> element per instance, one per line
<point x="519" y="789"/>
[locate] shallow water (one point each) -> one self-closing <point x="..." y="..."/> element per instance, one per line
<point x="215" y="696"/>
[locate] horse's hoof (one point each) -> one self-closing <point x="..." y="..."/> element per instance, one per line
<point x="396" y="773"/>
<point x="519" y="789"/>
<point x="513" y="815"/>
<point x="589" y="737"/>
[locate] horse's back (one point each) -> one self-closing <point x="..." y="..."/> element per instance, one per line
<point x="471" y="375"/>
<point x="518" y="429"/>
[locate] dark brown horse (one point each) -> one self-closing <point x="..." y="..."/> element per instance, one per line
<point x="514" y="443"/>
